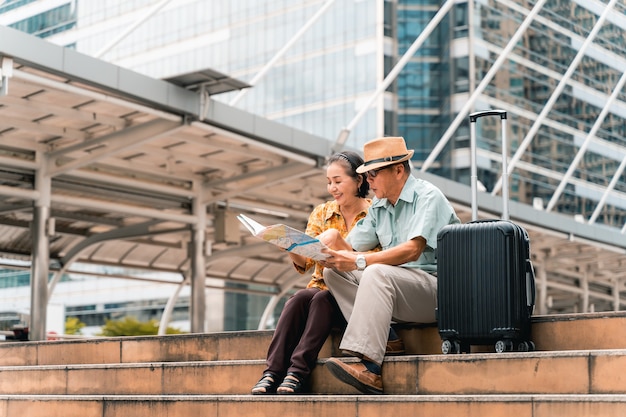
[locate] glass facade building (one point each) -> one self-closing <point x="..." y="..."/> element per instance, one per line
<point x="42" y="19"/>
<point x="566" y="129"/>
<point x="326" y="60"/>
<point x="556" y="66"/>
<point x="316" y="85"/>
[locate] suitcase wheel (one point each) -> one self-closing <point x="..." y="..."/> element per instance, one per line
<point x="450" y="346"/>
<point x="504" y="346"/>
<point x="526" y="346"/>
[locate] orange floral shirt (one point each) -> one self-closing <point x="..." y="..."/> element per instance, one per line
<point x="325" y="216"/>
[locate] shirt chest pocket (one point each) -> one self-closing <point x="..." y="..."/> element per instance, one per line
<point x="385" y="239"/>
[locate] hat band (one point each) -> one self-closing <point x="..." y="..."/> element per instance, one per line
<point x="385" y="159"/>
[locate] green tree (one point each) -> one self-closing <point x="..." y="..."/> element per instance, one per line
<point x="73" y="325"/>
<point x="130" y="326"/>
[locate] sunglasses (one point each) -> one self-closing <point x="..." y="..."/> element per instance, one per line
<point x="374" y="172"/>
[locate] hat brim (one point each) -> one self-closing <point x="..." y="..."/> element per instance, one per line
<point x="364" y="167"/>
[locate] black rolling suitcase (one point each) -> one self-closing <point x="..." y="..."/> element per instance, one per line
<point x="486" y="283"/>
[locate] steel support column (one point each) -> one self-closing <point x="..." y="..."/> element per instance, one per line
<point x="6" y="72"/>
<point x="584" y="283"/>
<point x="40" y="259"/>
<point x="198" y="265"/>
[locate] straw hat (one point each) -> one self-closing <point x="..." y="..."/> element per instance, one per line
<point x="384" y="151"/>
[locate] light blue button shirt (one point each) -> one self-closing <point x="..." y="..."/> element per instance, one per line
<point x="421" y="210"/>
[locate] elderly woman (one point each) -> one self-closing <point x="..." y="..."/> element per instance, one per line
<point x="310" y="314"/>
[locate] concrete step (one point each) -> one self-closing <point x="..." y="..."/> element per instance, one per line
<point x="170" y="348"/>
<point x="540" y="405"/>
<point x="577" y="371"/>
<point x="549" y="333"/>
<point x="564" y="372"/>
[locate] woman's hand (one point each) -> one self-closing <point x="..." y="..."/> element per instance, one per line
<point x="299" y="260"/>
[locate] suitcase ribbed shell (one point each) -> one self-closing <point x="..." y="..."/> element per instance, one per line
<point x="485" y="283"/>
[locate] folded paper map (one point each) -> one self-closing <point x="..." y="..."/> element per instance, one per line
<point x="286" y="237"/>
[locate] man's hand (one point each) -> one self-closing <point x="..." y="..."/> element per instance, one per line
<point x="332" y="238"/>
<point x="342" y="260"/>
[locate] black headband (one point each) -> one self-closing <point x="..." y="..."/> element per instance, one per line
<point x="385" y="159"/>
<point x="347" y="158"/>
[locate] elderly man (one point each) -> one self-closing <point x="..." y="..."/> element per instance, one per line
<point x="397" y="283"/>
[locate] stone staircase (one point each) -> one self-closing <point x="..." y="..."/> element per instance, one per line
<point x="578" y="369"/>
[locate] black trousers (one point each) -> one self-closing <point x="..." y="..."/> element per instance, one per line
<point x="304" y="325"/>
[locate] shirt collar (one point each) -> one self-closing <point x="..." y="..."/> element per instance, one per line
<point x="408" y="191"/>
<point x="331" y="210"/>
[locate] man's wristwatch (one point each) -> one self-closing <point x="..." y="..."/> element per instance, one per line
<point x="360" y="262"/>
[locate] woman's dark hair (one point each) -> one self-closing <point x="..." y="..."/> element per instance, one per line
<point x="352" y="160"/>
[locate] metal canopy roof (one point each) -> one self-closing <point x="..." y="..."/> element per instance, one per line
<point x="212" y="81"/>
<point x="128" y="157"/>
<point x="131" y="159"/>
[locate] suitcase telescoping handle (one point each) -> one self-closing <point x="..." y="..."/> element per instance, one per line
<point x="474" y="169"/>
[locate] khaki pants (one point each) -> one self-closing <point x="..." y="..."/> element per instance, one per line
<point x="370" y="300"/>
